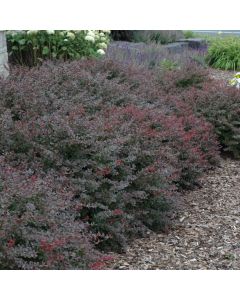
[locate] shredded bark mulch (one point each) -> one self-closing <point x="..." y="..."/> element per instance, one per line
<point x="221" y="74"/>
<point x="206" y="231"/>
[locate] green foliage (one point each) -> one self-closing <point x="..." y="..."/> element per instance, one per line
<point x="224" y="53"/>
<point x="168" y="64"/>
<point x="32" y="47"/>
<point x="188" y="34"/>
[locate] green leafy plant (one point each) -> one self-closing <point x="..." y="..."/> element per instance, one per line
<point x="34" y="46"/>
<point x="168" y="64"/>
<point x="224" y="53"/>
<point x="188" y="34"/>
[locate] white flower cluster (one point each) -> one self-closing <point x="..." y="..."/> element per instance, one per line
<point x="100" y="51"/>
<point x="236" y="80"/>
<point x="68" y="35"/>
<point x="100" y="37"/>
<point x="50" y="31"/>
<point x="30" y="32"/>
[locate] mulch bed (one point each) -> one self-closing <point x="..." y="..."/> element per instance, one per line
<point x="206" y="232"/>
<point x="221" y="74"/>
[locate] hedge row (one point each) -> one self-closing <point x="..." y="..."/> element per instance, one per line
<point x="92" y="154"/>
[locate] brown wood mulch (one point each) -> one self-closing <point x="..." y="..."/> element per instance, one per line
<point x="221" y="74"/>
<point x="206" y="231"/>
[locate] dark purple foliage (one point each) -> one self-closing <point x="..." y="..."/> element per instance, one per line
<point x="92" y="154"/>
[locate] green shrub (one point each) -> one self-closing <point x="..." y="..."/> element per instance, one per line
<point x="168" y="64"/>
<point x="188" y="34"/>
<point x="32" y="47"/>
<point x="224" y="53"/>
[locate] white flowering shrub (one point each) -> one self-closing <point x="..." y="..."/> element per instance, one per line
<point x="33" y="46"/>
<point x="236" y="80"/>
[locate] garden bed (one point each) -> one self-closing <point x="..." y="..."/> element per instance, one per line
<point x="98" y="152"/>
<point x="221" y="74"/>
<point x="103" y="157"/>
<point x="206" y="230"/>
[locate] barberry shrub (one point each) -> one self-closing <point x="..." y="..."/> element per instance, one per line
<point x="189" y="75"/>
<point x="38" y="227"/>
<point x="219" y="104"/>
<point x="212" y="99"/>
<point x="102" y="154"/>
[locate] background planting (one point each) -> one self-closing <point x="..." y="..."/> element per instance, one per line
<point x="34" y="46"/>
